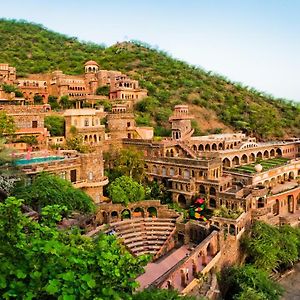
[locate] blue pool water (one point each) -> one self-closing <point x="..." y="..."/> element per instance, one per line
<point x="35" y="160"/>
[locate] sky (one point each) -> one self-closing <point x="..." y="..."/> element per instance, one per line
<point x="255" y="42"/>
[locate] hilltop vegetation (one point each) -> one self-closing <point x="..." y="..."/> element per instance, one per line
<point x="217" y="103"/>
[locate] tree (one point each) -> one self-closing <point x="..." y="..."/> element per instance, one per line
<point x="272" y="248"/>
<point x="47" y="189"/>
<point x="38" y="99"/>
<point x="38" y="261"/>
<point x="55" y="125"/>
<point x="52" y="100"/>
<point x="124" y="190"/>
<point x="7" y="124"/>
<point x="103" y="90"/>
<point x="249" y="280"/>
<point x="128" y="162"/>
<point x="64" y="102"/>
<point x="76" y="142"/>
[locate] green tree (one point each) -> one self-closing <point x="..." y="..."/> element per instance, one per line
<point x="103" y="90"/>
<point x="64" y="102"/>
<point x="38" y="99"/>
<point x="249" y="280"/>
<point x="76" y="142"/>
<point x="55" y="125"/>
<point x="47" y="189"/>
<point x="39" y="261"/>
<point x="131" y="163"/>
<point x="271" y="248"/>
<point x="125" y="190"/>
<point x="52" y="100"/>
<point x="7" y="124"/>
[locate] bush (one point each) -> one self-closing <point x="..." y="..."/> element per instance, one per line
<point x="125" y="190"/>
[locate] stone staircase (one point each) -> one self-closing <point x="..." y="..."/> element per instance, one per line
<point x="144" y="235"/>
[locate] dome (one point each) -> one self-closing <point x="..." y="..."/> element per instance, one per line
<point x="258" y="168"/>
<point x="91" y="63"/>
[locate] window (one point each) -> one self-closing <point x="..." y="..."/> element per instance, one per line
<point x="86" y="122"/>
<point x="90" y="176"/>
<point x="34" y="124"/>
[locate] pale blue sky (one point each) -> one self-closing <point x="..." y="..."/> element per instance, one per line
<point x="256" y="42"/>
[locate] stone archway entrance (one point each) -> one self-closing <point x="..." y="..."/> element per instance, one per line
<point x="181" y="201"/>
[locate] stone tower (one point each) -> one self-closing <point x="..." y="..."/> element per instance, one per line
<point x="181" y="123"/>
<point x="91" y="68"/>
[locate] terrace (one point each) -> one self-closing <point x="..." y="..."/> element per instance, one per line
<point x="266" y="165"/>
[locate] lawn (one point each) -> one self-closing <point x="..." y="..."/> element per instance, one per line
<point x="266" y="164"/>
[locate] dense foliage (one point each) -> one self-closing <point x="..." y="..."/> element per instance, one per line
<point x="248" y="282"/>
<point x="38" y="261"/>
<point x="33" y="49"/>
<point x="55" y="125"/>
<point x="125" y="190"/>
<point x="7" y="125"/>
<point x="128" y="162"/>
<point x="47" y="189"/>
<point x="271" y="248"/>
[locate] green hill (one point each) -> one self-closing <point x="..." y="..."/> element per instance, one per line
<point x="217" y="103"/>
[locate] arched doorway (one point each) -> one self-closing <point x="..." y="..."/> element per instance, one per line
<point x="202" y="189"/>
<point x="290" y="203"/>
<point x="181" y="201"/>
<point x="125" y="214"/>
<point x="244" y="159"/>
<point x="212" y="203"/>
<point x="114" y="216"/>
<point x="212" y="190"/>
<point x="278" y="152"/>
<point x="138" y="212"/>
<point x="152" y="212"/>
<point x="276" y="208"/>
<point x="252" y="157"/>
<point x="266" y="154"/>
<point x="235" y="161"/>
<point x="226" y="163"/>
<point x="207" y="147"/>
<point x="259" y="156"/>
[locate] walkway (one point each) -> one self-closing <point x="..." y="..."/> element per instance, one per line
<point x="291" y="284"/>
<point x="156" y="269"/>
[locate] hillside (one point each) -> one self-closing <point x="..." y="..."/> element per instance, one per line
<point x="217" y="103"/>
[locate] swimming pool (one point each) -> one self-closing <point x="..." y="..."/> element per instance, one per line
<point x="36" y="160"/>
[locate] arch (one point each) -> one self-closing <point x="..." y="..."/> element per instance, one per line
<point x="259" y="155"/>
<point x="244" y="159"/>
<point x="220" y="146"/>
<point x="172" y="171"/>
<point x="214" y="147"/>
<point x="126" y="214"/>
<point x="152" y="212"/>
<point x="252" y="157"/>
<point x="172" y="153"/>
<point x="105" y="217"/>
<point x="261" y="202"/>
<point x="164" y="171"/>
<point x="114" y="215"/>
<point x="155" y="169"/>
<point x="202" y="189"/>
<point x="290" y="199"/>
<point x="276" y="207"/>
<point x="272" y="153"/>
<point x="212" y="203"/>
<point x="194" y="147"/>
<point x="278" y="152"/>
<point x="291" y="175"/>
<point x="231" y="229"/>
<point x="266" y="154"/>
<point x="201" y="147"/>
<point x="138" y="212"/>
<point x="235" y="161"/>
<point x="212" y="191"/>
<point x="95" y="138"/>
<point x="207" y="147"/>
<point x="226" y="163"/>
<point x="186" y="174"/>
<point x="182" y="200"/>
